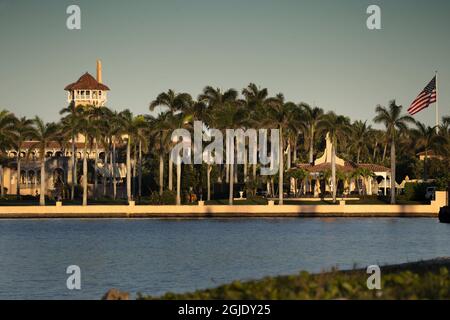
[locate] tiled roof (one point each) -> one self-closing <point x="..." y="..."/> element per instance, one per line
<point x="347" y="167"/>
<point x="51" y="145"/>
<point x="374" y="167"/>
<point x="86" y="82"/>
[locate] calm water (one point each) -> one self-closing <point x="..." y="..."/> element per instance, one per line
<point x="155" y="256"/>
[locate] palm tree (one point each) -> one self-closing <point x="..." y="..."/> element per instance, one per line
<point x="174" y="102"/>
<point x="281" y="115"/>
<point x="216" y="99"/>
<point x="131" y="128"/>
<point x="7" y="135"/>
<point x="394" y="121"/>
<point x="338" y="128"/>
<point x="23" y="130"/>
<point x="43" y="134"/>
<point x="255" y="99"/>
<point x="86" y="127"/>
<point x="70" y="123"/>
<point x="230" y="116"/>
<point x="99" y="122"/>
<point x="426" y="137"/>
<point x="361" y="137"/>
<point x="312" y="118"/>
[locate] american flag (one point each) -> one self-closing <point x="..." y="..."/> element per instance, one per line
<point x="425" y="98"/>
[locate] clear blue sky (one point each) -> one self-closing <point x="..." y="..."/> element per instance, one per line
<point x="314" y="51"/>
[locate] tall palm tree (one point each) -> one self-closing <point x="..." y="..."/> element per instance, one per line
<point x="87" y="130"/>
<point x="426" y="138"/>
<point x="338" y="128"/>
<point x="255" y="99"/>
<point x="7" y="135"/>
<point x="43" y="134"/>
<point x="216" y="99"/>
<point x="394" y="121"/>
<point x="312" y="119"/>
<point x="70" y="123"/>
<point x="230" y="116"/>
<point x="174" y="102"/>
<point x="131" y="128"/>
<point x="361" y="137"/>
<point x="99" y="122"/>
<point x="281" y="115"/>
<point x="159" y="133"/>
<point x="24" y="130"/>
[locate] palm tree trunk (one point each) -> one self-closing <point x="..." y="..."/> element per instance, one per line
<point x="161" y="174"/>
<point x="358" y="155"/>
<point x="2" y="191"/>
<point x="227" y="173"/>
<point x="384" y="152"/>
<point x="42" y="192"/>
<point x="129" y="169"/>
<point x="333" y="169"/>
<point x="272" y="187"/>
<point x="281" y="169"/>
<point x="104" y="175"/>
<point x="231" y="182"/>
<point x="294" y="155"/>
<point x="134" y="190"/>
<point x="74" y="172"/>
<point x="114" y="171"/>
<point x="288" y="159"/>
<point x="311" y="145"/>
<point x="85" y="175"/>
<point x="393" y="172"/>
<point x="95" y="169"/>
<point x="208" y="181"/>
<point x="170" y="174"/>
<point x="245" y="165"/>
<point x="140" y="172"/>
<point x="19" y="178"/>
<point x="178" y="182"/>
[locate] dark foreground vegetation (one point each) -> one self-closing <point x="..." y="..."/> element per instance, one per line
<point x="417" y="280"/>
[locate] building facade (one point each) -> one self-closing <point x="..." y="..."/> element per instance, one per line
<point x="87" y="90"/>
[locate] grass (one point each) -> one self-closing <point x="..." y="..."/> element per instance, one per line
<point x="418" y="280"/>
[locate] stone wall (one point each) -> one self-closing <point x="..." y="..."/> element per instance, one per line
<point x="201" y="210"/>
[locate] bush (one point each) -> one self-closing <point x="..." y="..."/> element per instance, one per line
<point x="405" y="282"/>
<point x="414" y="191"/>
<point x="168" y="197"/>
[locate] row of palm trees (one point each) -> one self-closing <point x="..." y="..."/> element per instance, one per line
<point x="144" y="137"/>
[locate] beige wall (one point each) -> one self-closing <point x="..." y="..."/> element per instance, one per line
<point x="342" y="210"/>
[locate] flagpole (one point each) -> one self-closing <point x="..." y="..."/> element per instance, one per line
<point x="437" y="104"/>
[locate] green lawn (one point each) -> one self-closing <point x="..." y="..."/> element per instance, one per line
<point x="419" y="280"/>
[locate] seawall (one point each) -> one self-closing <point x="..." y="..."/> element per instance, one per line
<point x="208" y="211"/>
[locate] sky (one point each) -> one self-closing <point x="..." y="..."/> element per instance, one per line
<point x="314" y="51"/>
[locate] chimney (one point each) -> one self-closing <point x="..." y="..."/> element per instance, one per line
<point x="99" y="71"/>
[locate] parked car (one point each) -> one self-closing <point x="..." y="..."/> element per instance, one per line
<point x="430" y="193"/>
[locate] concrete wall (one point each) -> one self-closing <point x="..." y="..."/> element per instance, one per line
<point x="124" y="211"/>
